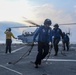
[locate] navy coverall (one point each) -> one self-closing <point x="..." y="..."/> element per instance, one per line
<point x="65" y="41"/>
<point x="57" y="34"/>
<point x="44" y="37"/>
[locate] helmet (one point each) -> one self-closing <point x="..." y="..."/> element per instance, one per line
<point x="56" y="25"/>
<point x="6" y="29"/>
<point x="64" y="33"/>
<point x="47" y="21"/>
<point x="9" y="29"/>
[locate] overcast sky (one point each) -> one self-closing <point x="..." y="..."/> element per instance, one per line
<point x="59" y="11"/>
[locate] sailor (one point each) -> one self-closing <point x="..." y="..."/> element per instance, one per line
<point x="44" y="34"/>
<point x="65" y="41"/>
<point x="57" y="34"/>
<point x="9" y="36"/>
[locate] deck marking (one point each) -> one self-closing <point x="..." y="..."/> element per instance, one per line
<point x="10" y="69"/>
<point x="18" y="49"/>
<point x="71" y="60"/>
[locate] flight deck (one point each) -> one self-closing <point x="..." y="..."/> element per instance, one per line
<point x="63" y="64"/>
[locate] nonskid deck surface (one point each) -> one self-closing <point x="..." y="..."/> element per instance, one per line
<point x="54" y="65"/>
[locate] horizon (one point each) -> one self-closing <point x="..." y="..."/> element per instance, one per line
<point x="58" y="11"/>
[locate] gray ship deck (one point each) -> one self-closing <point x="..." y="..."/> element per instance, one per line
<point x="55" y="65"/>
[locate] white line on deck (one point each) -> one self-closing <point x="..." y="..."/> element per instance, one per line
<point x="71" y="60"/>
<point x="18" y="49"/>
<point x="11" y="70"/>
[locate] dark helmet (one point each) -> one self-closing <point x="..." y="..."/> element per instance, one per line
<point x="9" y="29"/>
<point x="56" y="25"/>
<point x="6" y="29"/>
<point x="47" y="22"/>
<point x="63" y="33"/>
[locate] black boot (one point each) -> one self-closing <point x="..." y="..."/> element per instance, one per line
<point x="36" y="66"/>
<point x="55" y="54"/>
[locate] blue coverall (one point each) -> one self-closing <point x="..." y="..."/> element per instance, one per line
<point x="44" y="37"/>
<point x="57" y="34"/>
<point x="65" y="41"/>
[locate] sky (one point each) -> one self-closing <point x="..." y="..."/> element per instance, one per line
<point x="59" y="11"/>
